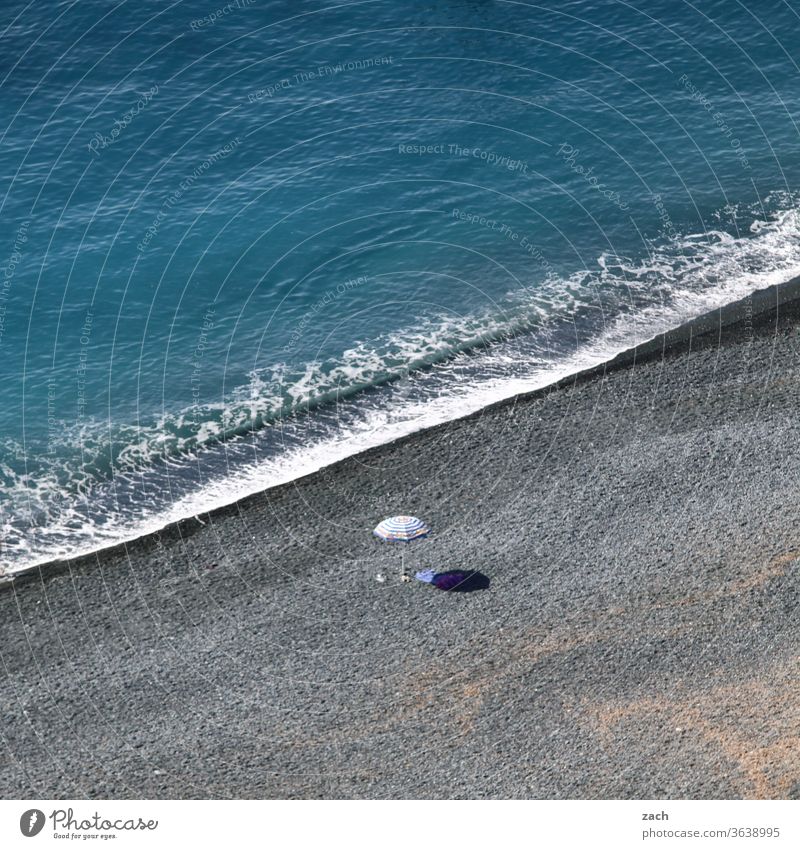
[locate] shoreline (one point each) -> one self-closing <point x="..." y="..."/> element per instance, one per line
<point x="757" y="304"/>
<point x="639" y="526"/>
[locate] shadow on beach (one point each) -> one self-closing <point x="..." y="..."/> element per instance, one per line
<point x="465" y="582"/>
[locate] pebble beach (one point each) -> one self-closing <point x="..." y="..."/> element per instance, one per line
<point x="638" y="637"/>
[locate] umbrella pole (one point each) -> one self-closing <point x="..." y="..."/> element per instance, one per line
<point x="403" y="576"/>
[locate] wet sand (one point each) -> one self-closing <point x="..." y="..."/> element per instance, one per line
<point x="639" y="638"/>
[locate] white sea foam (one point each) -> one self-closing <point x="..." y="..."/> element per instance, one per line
<point x="176" y="467"/>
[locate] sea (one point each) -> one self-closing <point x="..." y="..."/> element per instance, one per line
<point x="240" y="241"/>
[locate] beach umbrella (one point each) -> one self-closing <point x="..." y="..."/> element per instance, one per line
<point x="403" y="529"/>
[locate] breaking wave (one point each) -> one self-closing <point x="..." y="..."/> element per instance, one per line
<point x="107" y="484"/>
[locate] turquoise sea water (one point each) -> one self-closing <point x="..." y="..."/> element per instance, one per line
<point x="241" y="242"/>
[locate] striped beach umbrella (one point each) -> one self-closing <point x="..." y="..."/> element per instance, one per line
<point x="401" y="529"/>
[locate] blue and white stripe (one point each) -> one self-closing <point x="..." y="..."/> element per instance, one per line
<point x="401" y="529"/>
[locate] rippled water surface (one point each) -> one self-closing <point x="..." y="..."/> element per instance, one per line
<point x="238" y="246"/>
